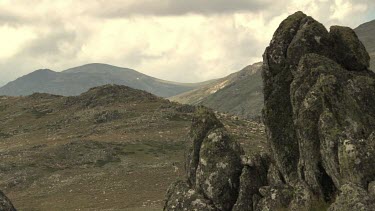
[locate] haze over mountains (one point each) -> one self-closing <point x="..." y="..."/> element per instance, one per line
<point x="239" y="93"/>
<point x="77" y="80"/>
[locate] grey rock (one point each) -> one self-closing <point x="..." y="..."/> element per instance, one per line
<point x="219" y="169"/>
<point x="351" y="198"/>
<point x="318" y="110"/>
<point x="203" y="121"/>
<point x="5" y="203"/>
<point x="252" y="178"/>
<point x="181" y="197"/>
<point x="349" y="51"/>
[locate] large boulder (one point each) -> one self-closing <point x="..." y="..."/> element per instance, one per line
<point x="253" y="177"/>
<point x="213" y="167"/>
<point x="352" y="198"/>
<point x="319" y="114"/>
<point x="5" y="203"/>
<point x="319" y="108"/>
<point x="181" y="197"/>
<point x="219" y="169"/>
<point x="203" y="121"/>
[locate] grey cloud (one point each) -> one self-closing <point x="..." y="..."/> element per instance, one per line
<point x="181" y="7"/>
<point x="49" y="44"/>
<point x="7" y="17"/>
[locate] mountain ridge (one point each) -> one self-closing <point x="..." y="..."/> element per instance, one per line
<point x="243" y="88"/>
<point x="77" y="80"/>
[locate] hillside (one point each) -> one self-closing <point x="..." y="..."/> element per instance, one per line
<point x="112" y="147"/>
<point x="77" y="80"/>
<point x="239" y="93"/>
<point x="366" y="33"/>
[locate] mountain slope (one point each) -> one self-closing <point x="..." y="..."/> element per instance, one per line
<point x="239" y="93"/>
<point x="366" y="33"/>
<point x="77" y="80"/>
<point x="110" y="148"/>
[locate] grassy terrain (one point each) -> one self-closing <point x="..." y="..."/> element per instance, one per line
<point x="239" y="93"/>
<point x="112" y="148"/>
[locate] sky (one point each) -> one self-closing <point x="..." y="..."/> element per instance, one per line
<point x="176" y="40"/>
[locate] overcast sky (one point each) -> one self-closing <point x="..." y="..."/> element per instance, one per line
<point x="178" y="40"/>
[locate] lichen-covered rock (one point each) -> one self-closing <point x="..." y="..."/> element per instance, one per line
<point x="203" y="121"/>
<point x="352" y="198"/>
<point x="252" y="178"/>
<point x="274" y="176"/>
<point x="371" y="188"/>
<point x="349" y="51"/>
<point x="333" y="124"/>
<point x="5" y="203"/>
<point x="181" y="197"/>
<point x="319" y="115"/>
<point x="303" y="198"/>
<point x="219" y="169"/>
<point x="275" y="197"/>
<point x="213" y="168"/>
<point x="319" y="109"/>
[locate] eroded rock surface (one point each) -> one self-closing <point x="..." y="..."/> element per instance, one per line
<point x="5" y="203"/>
<point x="319" y="113"/>
<point x="321" y="134"/>
<point x="218" y="175"/>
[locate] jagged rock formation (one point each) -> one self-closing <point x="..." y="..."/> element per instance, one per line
<point x="321" y="133"/>
<point x="5" y="203"/>
<point x="319" y="114"/>
<point x="213" y="168"/>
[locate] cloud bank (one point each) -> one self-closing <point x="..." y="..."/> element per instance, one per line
<point x="178" y="40"/>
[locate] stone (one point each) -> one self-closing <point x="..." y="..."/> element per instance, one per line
<point x="350" y="52"/>
<point x="317" y="112"/>
<point x="252" y="178"/>
<point x="5" y="203"/>
<point x="351" y="198"/>
<point x="219" y="169"/>
<point x="203" y="121"/>
<point x="181" y="197"/>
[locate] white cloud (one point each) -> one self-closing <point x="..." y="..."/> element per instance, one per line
<point x="174" y="40"/>
<point x="13" y="39"/>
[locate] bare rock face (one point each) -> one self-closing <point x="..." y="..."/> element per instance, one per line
<point x="213" y="168"/>
<point x="353" y="197"/>
<point x="319" y="113"/>
<point x="5" y="203"/>
<point x="181" y="197"/>
<point x="319" y="108"/>
<point x="252" y="178"/>
<point x="219" y="169"/>
<point x="203" y="121"/>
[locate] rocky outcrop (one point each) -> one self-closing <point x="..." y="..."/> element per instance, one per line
<point x="321" y="134"/>
<point x="319" y="114"/>
<point x="5" y="203"/>
<point x="219" y="177"/>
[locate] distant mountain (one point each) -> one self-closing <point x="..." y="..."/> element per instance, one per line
<point x="77" y="80"/>
<point x="366" y="33"/>
<point x="239" y="93"/>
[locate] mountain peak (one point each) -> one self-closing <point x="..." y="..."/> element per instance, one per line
<point x="111" y="94"/>
<point x="95" y="68"/>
